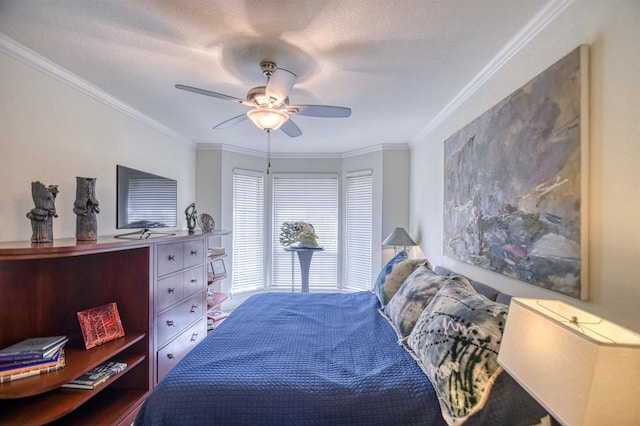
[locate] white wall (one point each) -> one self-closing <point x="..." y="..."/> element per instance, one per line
<point x="612" y="29"/>
<point x="51" y="132"/>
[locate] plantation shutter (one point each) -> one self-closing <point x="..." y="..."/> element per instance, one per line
<point x="248" y="231"/>
<point x="359" y="229"/>
<point x="313" y="199"/>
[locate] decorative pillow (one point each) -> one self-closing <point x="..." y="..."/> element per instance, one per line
<point x="414" y="294"/>
<point x="398" y="274"/>
<point x="457" y="339"/>
<point x="484" y="289"/>
<point x="386" y="270"/>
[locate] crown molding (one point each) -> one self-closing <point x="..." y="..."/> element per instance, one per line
<point x="21" y="53"/>
<point x="534" y="27"/>
<point x="377" y="148"/>
<point x="306" y="156"/>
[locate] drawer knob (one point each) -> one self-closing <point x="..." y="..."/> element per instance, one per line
<point x="194" y="337"/>
<point x="194" y="308"/>
<point x="172" y="257"/>
<point x="170" y="323"/>
<point x="171" y="290"/>
<point x="194" y="280"/>
<point x="194" y="252"/>
<point x="170" y="356"/>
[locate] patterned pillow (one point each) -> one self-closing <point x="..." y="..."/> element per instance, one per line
<point x="414" y="294"/>
<point x="398" y="274"/>
<point x="457" y="339"/>
<point x="378" y="284"/>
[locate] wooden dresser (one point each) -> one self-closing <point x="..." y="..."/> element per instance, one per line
<point x="180" y="301"/>
<point x="157" y="283"/>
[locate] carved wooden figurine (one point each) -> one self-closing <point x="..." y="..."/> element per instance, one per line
<point x="45" y="210"/>
<point x="191" y="215"/>
<point x="86" y="207"/>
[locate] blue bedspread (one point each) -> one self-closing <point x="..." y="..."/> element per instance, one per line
<point x="297" y="359"/>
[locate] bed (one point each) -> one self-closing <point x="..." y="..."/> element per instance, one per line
<point x="311" y="359"/>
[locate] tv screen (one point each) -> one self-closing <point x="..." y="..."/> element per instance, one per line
<point x="144" y="200"/>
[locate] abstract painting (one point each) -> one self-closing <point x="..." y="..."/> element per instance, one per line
<point x="515" y="182"/>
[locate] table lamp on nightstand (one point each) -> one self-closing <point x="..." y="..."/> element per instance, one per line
<point x="397" y="238"/>
<point x="583" y="369"/>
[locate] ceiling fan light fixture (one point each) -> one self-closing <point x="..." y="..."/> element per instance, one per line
<point x="268" y="118"/>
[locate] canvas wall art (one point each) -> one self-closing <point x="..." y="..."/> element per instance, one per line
<point x="515" y="182"/>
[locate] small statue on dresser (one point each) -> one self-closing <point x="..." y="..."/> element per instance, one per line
<point x="45" y="210"/>
<point x="86" y="207"/>
<point x="191" y="215"/>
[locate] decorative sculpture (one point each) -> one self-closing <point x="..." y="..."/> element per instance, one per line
<point x="298" y="234"/>
<point x="191" y="214"/>
<point x="86" y="207"/>
<point x="45" y="210"/>
<point x="206" y="222"/>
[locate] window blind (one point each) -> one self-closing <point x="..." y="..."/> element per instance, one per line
<point x="248" y="231"/>
<point x="358" y="229"/>
<point x="312" y="199"/>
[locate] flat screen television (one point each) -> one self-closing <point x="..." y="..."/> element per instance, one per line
<point x="145" y="201"/>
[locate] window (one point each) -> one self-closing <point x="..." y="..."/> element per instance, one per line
<point x="358" y="228"/>
<point x="248" y="231"/>
<point x="312" y="199"/>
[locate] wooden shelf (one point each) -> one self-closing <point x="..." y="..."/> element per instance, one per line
<point x="108" y="408"/>
<point x="77" y="362"/>
<point x="43" y="287"/>
<point x="54" y="404"/>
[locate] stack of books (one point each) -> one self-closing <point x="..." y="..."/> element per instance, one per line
<point x="96" y="376"/>
<point x="32" y="356"/>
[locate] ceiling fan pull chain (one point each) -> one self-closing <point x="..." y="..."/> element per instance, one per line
<point x="268" y="150"/>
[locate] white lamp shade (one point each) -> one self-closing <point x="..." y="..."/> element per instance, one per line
<point x="268" y="118"/>
<point x="399" y="237"/>
<point x="584" y="373"/>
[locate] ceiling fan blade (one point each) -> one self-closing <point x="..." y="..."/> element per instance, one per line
<point x="279" y="85"/>
<point x="230" y="122"/>
<point x="209" y="93"/>
<point x="291" y="129"/>
<point x="320" y="111"/>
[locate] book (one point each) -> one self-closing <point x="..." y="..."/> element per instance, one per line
<point x="215" y="251"/>
<point x="16" y="365"/>
<point x="96" y="376"/>
<point x="34" y="370"/>
<point x="32" y="348"/>
<point x="100" y="324"/>
<point x="217" y="315"/>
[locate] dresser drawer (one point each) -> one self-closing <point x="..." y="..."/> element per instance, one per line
<point x="175" y="350"/>
<point x="193" y="281"/>
<point x="170" y="291"/>
<point x="176" y="319"/>
<point x="193" y="253"/>
<point x="170" y="258"/>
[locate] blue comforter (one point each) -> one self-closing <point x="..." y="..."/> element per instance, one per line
<point x="297" y="359"/>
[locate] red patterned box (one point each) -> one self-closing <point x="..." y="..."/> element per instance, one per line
<point x="100" y="324"/>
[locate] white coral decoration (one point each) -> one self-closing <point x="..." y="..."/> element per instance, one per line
<point x="301" y="234"/>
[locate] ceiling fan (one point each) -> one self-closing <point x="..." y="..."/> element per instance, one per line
<point x="270" y="109"/>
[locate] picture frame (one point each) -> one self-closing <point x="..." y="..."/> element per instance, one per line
<point x="217" y="267"/>
<point x="100" y="324"/>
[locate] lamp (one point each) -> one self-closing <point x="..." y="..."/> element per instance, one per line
<point x="268" y="118"/>
<point x="583" y="369"/>
<point x="399" y="237"/>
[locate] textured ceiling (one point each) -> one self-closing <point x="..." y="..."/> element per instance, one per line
<point x="396" y="63"/>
